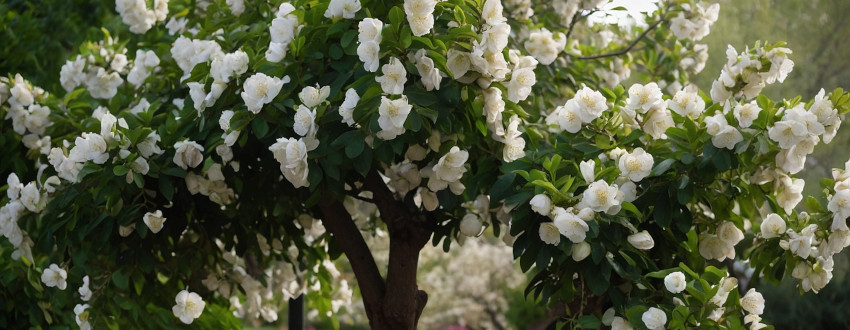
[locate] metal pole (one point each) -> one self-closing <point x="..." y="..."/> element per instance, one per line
<point x="296" y="313"/>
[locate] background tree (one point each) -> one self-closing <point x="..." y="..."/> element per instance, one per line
<point x="441" y="119"/>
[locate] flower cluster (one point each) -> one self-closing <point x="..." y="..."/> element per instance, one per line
<point x="799" y="131"/>
<point x="284" y="28"/>
<point x="586" y="106"/>
<point x="693" y="22"/>
<point x="745" y="75"/>
<point x="136" y="14"/>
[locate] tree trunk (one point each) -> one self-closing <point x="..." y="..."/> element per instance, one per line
<point x="397" y="302"/>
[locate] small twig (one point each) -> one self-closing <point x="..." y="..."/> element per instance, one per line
<point x="577" y="17"/>
<point x="356" y="196"/>
<point x="624" y="50"/>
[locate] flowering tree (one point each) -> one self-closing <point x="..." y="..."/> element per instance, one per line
<point x="211" y="162"/>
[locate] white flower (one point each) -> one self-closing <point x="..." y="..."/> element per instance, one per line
<point x="187" y="154"/>
<point x="588" y="104"/>
<point x="788" y="133"/>
<point x="492" y="12"/>
<point x="494" y="105"/>
<point x="369" y="29"/>
<point x="31" y="198"/>
<point x="753" y="302"/>
<point x="629" y="190"/>
<point x="654" y="318"/>
<point x="448" y="171"/>
<point x="620" y="323"/>
<point x="494" y="39"/>
<point x="392" y="82"/>
<point x="789" y="192"/>
<point x="305" y="121"/>
<point x="600" y="197"/>
<point x="470" y="225"/>
<point x="545" y="46"/>
<point x="312" y="96"/>
<point x="136" y="14"/>
<point x="839" y="205"/>
<point x="292" y="156"/>
<point x="237" y="7"/>
<point x="148" y="146"/>
<point x="657" y="122"/>
<point x="549" y="233"/>
<point x="514" y="144"/>
<point x="342" y="9"/>
<point x="283" y="29"/>
<point x="565" y="119"/>
<point x="346" y="110"/>
<point x="189" y="306"/>
<point x="636" y="165"/>
<point x="746" y="113"/>
<point x="571" y="226"/>
<point x="723" y="134"/>
<point x="580" y="251"/>
<point x="643" y="98"/>
<point x="712" y="247"/>
<point x="641" y="240"/>
<point x="369" y="52"/>
<point x="729" y="233"/>
<point x="14" y="186"/>
<point x="154" y="221"/>
<point x="772" y="226"/>
<point x="176" y="25"/>
<point x="587" y="170"/>
<point x="393" y="114"/>
<point x="519" y="87"/>
<point x="675" y="282"/>
<point x="197" y="93"/>
<point x="71" y="74"/>
<point x="420" y="15"/>
<point x="541" y="204"/>
<point x="431" y="76"/>
<point x="54" y="277"/>
<point x="229" y="65"/>
<point x="85" y="293"/>
<point x="81" y="316"/>
<point x="457" y="62"/>
<point x="261" y="89"/>
<point x="276" y="51"/>
<point x="89" y="146"/>
<point x="687" y="102"/>
<point x="102" y="84"/>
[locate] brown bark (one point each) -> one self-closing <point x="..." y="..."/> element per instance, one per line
<point x="397" y="302"/>
<point x="404" y="303"/>
<point x="337" y="220"/>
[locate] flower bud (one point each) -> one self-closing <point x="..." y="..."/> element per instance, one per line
<point x="641" y="240"/>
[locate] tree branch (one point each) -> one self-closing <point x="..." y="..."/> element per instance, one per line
<point x="624" y="50"/>
<point x="404" y="303"/>
<point x="346" y="233"/>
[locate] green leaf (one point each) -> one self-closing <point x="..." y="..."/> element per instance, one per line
<point x="260" y="127"/>
<point x="338" y="27"/>
<point x="502" y="187"/>
<point x="121" y="280"/>
<point x="589" y="322"/>
<point x="396" y="16"/>
<point x="120" y="170"/>
<point x="166" y="188"/>
<point x="87" y="169"/>
<point x="662" y="167"/>
<point x="354" y="146"/>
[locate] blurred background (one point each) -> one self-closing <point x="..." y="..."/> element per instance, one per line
<point x="478" y="286"/>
